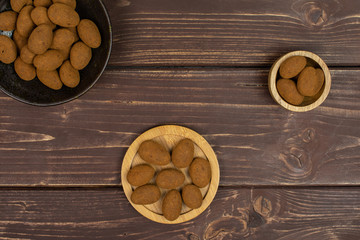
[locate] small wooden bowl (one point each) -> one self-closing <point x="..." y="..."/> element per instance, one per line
<point x="309" y="102"/>
<point x="169" y="136"/>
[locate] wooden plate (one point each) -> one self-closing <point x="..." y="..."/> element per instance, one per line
<point x="169" y="136"/>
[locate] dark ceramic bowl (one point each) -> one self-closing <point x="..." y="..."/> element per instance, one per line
<point x="34" y="92"/>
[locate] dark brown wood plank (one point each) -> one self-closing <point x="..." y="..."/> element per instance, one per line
<point x="256" y="141"/>
<point x="241" y="213"/>
<point x="232" y="32"/>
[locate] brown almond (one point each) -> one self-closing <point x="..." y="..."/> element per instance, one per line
<point x="80" y="55"/>
<point x="292" y="66"/>
<point x="17" y="5"/>
<point x="192" y="196"/>
<point x="146" y="194"/>
<point x="24" y="23"/>
<point x="50" y="79"/>
<point x="63" y="15"/>
<point x="170" y="178"/>
<point x="183" y="153"/>
<point x="69" y="76"/>
<point x="288" y="91"/>
<point x="39" y="16"/>
<point x="26" y="55"/>
<point x="25" y="71"/>
<point x="89" y="33"/>
<point x="49" y="61"/>
<point x="140" y="174"/>
<point x="40" y="39"/>
<point x="19" y="40"/>
<point x="8" y="52"/>
<point x="310" y="81"/>
<point x="200" y="172"/>
<point x="63" y="39"/>
<point x="154" y="153"/>
<point x="172" y="204"/>
<point x="8" y="20"/>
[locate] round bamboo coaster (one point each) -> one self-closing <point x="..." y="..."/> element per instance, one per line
<point x="169" y="136"/>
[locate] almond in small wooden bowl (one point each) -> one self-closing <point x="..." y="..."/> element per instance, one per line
<point x="169" y="136"/>
<point x="309" y="103"/>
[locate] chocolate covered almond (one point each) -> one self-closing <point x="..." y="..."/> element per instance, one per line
<point x="146" y="194"/>
<point x="288" y="91"/>
<point x="183" y="153"/>
<point x="170" y="178"/>
<point x="154" y="153"/>
<point x="200" y="172"/>
<point x="172" y="204"/>
<point x="192" y="196"/>
<point x="292" y="66"/>
<point x="140" y="174"/>
<point x="310" y="81"/>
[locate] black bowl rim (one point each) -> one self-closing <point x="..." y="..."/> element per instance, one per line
<point x="85" y="90"/>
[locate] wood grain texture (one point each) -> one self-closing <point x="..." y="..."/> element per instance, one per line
<point x="238" y="213"/>
<point x="257" y="142"/>
<point x="284" y="175"/>
<point x="232" y="32"/>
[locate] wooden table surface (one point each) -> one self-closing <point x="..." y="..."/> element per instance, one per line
<point x="203" y="65"/>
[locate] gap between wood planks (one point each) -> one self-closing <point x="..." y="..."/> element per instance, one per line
<point x="214" y="68"/>
<point x="119" y="187"/>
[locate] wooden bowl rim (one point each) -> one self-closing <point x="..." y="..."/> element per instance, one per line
<point x="200" y="142"/>
<point x="273" y="78"/>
